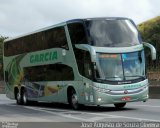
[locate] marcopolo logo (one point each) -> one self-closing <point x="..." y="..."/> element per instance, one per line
<point x="43" y="57"/>
<point x="132" y="86"/>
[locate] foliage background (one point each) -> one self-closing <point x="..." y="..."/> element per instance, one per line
<point x="150" y="32"/>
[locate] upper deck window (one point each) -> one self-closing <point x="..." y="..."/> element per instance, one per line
<point x="112" y="33"/>
<point x="77" y="33"/>
<point x="50" y="38"/>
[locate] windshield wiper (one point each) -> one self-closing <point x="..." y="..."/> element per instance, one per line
<point x="116" y="78"/>
<point x="110" y="79"/>
<point x="113" y="77"/>
<point x="138" y="76"/>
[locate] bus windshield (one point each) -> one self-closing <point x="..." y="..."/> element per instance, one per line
<point x="112" y="33"/>
<point x="121" y="67"/>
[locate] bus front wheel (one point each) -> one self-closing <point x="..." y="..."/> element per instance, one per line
<point x="119" y="105"/>
<point x="73" y="100"/>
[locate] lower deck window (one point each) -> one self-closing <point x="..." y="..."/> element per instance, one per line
<point x="52" y="72"/>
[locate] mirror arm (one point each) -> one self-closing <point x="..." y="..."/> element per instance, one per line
<point x="153" y="50"/>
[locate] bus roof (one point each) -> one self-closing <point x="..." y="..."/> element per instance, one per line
<point x="39" y="30"/>
<point x="67" y="22"/>
<point x="99" y="18"/>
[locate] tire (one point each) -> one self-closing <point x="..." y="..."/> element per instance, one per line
<point x="73" y="100"/>
<point x="24" y="97"/>
<point x="19" y="98"/>
<point x="120" y="105"/>
<point x="25" y="100"/>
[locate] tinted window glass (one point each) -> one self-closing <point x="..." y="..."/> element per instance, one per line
<point x="83" y="59"/>
<point x="121" y="67"/>
<point x="112" y="33"/>
<point x="52" y="38"/>
<point x="77" y="33"/>
<point x="56" y="38"/>
<point x="54" y="72"/>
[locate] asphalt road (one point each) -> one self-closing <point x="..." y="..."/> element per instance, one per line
<point x="62" y="113"/>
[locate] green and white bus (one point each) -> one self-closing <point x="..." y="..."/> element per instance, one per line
<point x="92" y="61"/>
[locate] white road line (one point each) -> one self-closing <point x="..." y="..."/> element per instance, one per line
<point x="86" y="120"/>
<point x="72" y="116"/>
<point x="58" y="114"/>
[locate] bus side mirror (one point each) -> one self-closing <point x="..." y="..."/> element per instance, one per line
<point x="152" y="48"/>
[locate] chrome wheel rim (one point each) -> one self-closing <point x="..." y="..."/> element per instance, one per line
<point x="18" y="97"/>
<point x="74" y="100"/>
<point x="24" y="98"/>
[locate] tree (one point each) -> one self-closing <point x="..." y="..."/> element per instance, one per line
<point x="150" y="32"/>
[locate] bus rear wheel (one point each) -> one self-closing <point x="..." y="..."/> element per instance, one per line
<point x="119" y="105"/>
<point x="73" y="100"/>
<point x="19" y="98"/>
<point x="24" y="97"/>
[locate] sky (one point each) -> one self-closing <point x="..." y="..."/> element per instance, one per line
<point x="18" y="17"/>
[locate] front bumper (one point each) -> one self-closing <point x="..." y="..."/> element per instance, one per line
<point x="113" y="98"/>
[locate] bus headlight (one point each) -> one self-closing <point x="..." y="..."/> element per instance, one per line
<point x="99" y="99"/>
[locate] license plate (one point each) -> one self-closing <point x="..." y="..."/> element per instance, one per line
<point x="126" y="98"/>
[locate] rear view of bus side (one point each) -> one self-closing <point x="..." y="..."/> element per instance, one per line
<point x="84" y="61"/>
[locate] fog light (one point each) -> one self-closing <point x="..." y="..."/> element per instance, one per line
<point x="99" y="99"/>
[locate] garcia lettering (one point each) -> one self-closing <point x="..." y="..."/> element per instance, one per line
<point x="43" y="57"/>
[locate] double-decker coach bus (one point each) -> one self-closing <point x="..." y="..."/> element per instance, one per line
<point x="92" y="61"/>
